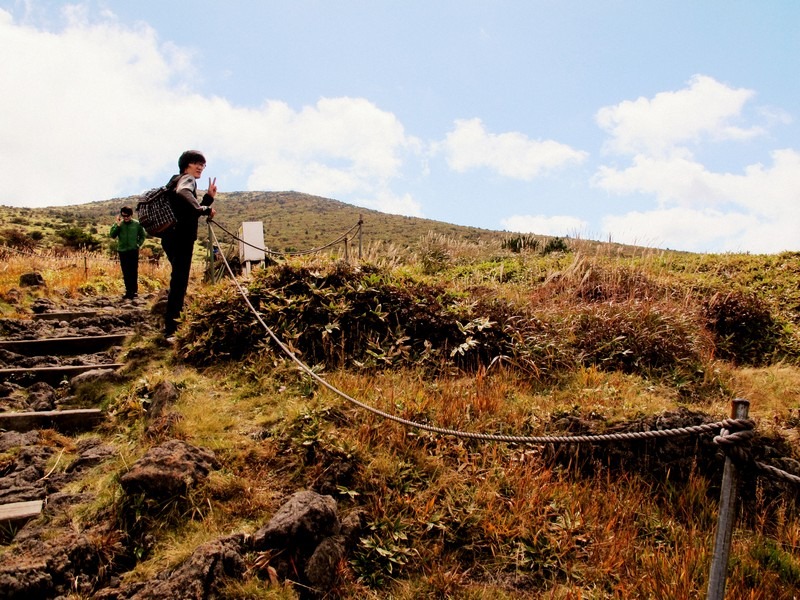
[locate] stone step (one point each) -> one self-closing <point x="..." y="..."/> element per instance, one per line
<point x="69" y="420"/>
<point x="51" y="375"/>
<point x="64" y="346"/>
<point x="64" y="316"/>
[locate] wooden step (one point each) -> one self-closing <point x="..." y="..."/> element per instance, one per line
<point x="71" y="420"/>
<point x="16" y="511"/>
<point x="14" y="515"/>
<point x="64" y="346"/>
<point x="51" y="375"/>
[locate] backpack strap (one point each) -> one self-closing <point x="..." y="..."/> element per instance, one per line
<point x="172" y="184"/>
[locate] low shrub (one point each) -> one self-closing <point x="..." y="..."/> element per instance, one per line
<point x="635" y="337"/>
<point x="520" y="243"/>
<point x="16" y="238"/>
<point x="77" y="237"/>
<point x="744" y="329"/>
<point x="556" y="244"/>
<point x="368" y="318"/>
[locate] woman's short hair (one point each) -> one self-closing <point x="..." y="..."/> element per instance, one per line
<point x="190" y="157"/>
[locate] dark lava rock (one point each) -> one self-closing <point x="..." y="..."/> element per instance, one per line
<point x="200" y="577"/>
<point x="49" y="567"/>
<point x="168" y="470"/>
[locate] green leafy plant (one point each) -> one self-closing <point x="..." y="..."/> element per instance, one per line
<point x="383" y="553"/>
<point x="555" y="244"/>
<point x="771" y="557"/>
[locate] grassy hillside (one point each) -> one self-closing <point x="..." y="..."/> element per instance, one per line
<point x="519" y="344"/>
<point x="292" y="221"/>
<point x="453" y="328"/>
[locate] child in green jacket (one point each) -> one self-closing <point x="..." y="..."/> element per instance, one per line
<point x="130" y="237"/>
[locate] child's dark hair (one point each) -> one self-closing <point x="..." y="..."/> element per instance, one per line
<point x="126" y="211"/>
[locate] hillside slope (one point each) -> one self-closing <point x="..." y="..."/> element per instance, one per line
<point x="482" y="340"/>
<point x="292" y="221"/>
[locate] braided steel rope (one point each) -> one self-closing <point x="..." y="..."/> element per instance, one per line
<point x="730" y="424"/>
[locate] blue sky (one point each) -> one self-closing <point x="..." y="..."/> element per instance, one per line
<point x="671" y="124"/>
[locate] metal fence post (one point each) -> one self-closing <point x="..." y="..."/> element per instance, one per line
<point x="727" y="513"/>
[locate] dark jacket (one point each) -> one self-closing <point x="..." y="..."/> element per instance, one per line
<point x="185" y="205"/>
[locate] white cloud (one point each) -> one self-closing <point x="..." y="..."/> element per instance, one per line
<point x="338" y="146"/>
<point x="512" y="154"/>
<point x="388" y="202"/>
<point x="706" y="109"/>
<point x="96" y="108"/>
<point x="679" y="181"/>
<point x="696" y="208"/>
<point x="700" y="230"/>
<point x="772" y="192"/>
<point x="78" y="106"/>
<point x="543" y="225"/>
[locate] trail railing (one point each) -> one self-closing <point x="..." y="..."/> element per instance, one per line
<point x="733" y="438"/>
<point x="347" y="240"/>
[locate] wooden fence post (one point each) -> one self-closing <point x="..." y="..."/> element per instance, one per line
<point x="727" y="514"/>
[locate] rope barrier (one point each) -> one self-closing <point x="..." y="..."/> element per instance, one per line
<point x="658" y="433"/>
<point x="734" y="444"/>
<point x="734" y="433"/>
<point x="778" y="473"/>
<point x="298" y="253"/>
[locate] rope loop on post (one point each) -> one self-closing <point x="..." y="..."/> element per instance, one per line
<point x="737" y="425"/>
<point x="736" y="445"/>
<point x="734" y="439"/>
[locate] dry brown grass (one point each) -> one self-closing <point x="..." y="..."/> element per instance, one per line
<point x="452" y="518"/>
<point x="456" y="519"/>
<point x="71" y="275"/>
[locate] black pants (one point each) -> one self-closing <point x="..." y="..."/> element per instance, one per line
<point x="178" y="246"/>
<point x="129" y="262"/>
